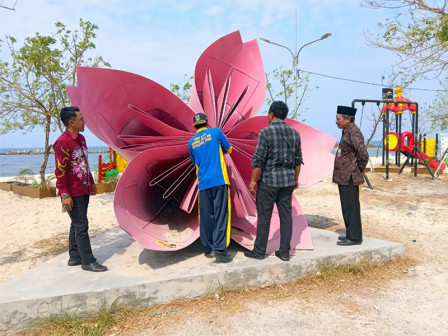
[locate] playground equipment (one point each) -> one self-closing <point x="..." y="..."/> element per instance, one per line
<point x="441" y="144"/>
<point x="429" y="146"/>
<point x="398" y="106"/>
<point x="107" y="165"/>
<point x="113" y="164"/>
<point x="407" y="143"/>
<point x="443" y="156"/>
<point x="121" y="163"/>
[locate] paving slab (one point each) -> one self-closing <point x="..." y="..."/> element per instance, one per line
<point x="138" y="276"/>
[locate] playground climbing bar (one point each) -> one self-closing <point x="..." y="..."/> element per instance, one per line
<point x="386" y="124"/>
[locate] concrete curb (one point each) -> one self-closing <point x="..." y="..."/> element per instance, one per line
<point x="145" y="277"/>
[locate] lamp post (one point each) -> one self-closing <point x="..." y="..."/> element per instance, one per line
<point x="295" y="62"/>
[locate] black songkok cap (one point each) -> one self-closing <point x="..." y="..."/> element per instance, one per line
<point x="347" y="110"/>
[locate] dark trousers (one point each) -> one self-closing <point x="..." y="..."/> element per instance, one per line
<point x="266" y="197"/>
<point x="214" y="218"/>
<point x="351" y="210"/>
<point x="79" y="241"/>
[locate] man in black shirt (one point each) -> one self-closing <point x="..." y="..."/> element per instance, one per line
<point x="278" y="157"/>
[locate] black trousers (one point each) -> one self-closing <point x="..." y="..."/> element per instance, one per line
<point x="351" y="210"/>
<point x="266" y="197"/>
<point x="79" y="241"/>
<point x="214" y="218"/>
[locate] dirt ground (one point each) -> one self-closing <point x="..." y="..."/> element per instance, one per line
<point x="34" y="230"/>
<point x="405" y="297"/>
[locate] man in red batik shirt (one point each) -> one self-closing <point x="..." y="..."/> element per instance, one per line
<point x="75" y="185"/>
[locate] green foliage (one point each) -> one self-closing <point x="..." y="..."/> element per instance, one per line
<point x="282" y="87"/>
<point x="100" y="323"/>
<point x="48" y="183"/>
<point x="32" y="84"/>
<point x="439" y="110"/>
<point x="183" y="90"/>
<point x="23" y="175"/>
<point x="418" y="36"/>
<point x="26" y="176"/>
<point x="442" y="33"/>
<point x="112" y="178"/>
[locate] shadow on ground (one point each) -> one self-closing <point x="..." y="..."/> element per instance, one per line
<point x="320" y="222"/>
<point x="161" y="259"/>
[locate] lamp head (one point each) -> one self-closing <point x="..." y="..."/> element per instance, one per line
<point x="325" y="36"/>
<point x="265" y="40"/>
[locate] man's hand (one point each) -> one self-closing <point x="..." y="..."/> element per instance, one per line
<point x="253" y="178"/>
<point x="252" y="186"/>
<point x="67" y="203"/>
<point x="296" y="185"/>
<point x="93" y="193"/>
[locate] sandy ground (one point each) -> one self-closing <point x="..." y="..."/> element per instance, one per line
<point x="34" y="230"/>
<point x="406" y="209"/>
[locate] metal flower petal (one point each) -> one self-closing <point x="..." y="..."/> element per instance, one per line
<point x="156" y="198"/>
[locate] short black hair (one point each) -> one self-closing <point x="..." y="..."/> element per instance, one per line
<point x="68" y="113"/>
<point x="346" y="116"/>
<point x="279" y="108"/>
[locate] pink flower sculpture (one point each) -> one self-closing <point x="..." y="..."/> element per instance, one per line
<point x="156" y="198"/>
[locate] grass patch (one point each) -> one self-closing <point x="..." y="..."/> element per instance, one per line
<point x="363" y="275"/>
<point x="53" y="245"/>
<point x="103" y="322"/>
<point x="121" y="320"/>
<point x="12" y="258"/>
<point x="57" y="244"/>
<point x="42" y="248"/>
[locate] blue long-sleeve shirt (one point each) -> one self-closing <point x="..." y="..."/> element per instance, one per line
<point x="207" y="150"/>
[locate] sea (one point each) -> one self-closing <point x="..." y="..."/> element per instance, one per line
<point x="12" y="165"/>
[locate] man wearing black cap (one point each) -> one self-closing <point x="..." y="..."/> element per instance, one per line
<point x="207" y="149"/>
<point x="349" y="164"/>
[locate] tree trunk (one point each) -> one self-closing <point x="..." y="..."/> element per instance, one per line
<point x="374" y="130"/>
<point x="47" y="149"/>
<point x="296" y="110"/>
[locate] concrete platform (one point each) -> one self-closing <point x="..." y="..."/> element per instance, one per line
<point x="150" y="277"/>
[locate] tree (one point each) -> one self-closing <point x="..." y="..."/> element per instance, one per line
<point x="439" y="110"/>
<point x="183" y="90"/>
<point x="419" y="36"/>
<point x="13" y="7"/>
<point x="286" y="92"/>
<point x="32" y="85"/>
<point x="282" y="76"/>
<point x="375" y="117"/>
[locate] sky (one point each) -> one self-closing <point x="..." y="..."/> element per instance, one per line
<point x="162" y="40"/>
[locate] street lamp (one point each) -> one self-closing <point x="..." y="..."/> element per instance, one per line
<point x="295" y="61"/>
